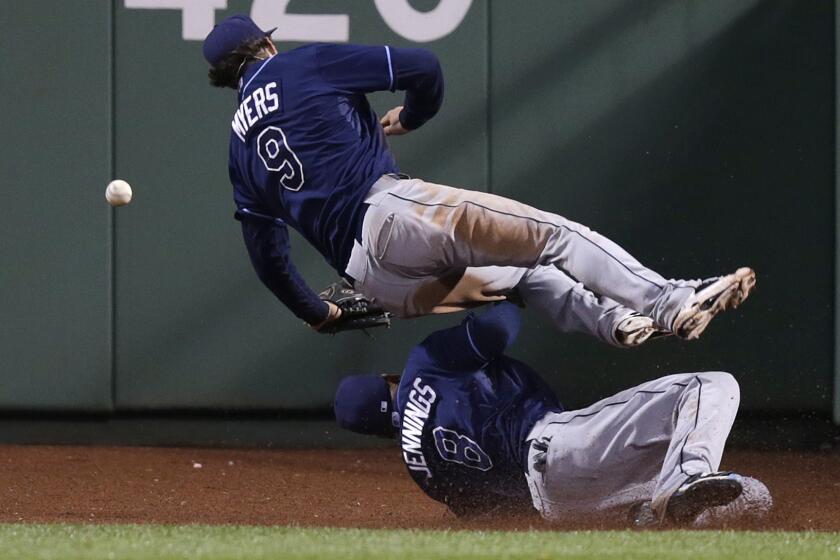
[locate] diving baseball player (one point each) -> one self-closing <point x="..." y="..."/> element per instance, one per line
<point x="480" y="431"/>
<point x="307" y="151"/>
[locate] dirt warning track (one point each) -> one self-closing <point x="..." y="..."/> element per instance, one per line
<point x="347" y="488"/>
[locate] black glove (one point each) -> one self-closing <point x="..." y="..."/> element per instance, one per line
<point x="357" y="311"/>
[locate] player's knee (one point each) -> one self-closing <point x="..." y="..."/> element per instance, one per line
<point x="725" y="383"/>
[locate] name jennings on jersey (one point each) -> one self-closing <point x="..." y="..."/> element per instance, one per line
<point x="420" y="401"/>
<point x="260" y="103"/>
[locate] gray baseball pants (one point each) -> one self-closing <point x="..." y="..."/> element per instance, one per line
<point x="641" y="443"/>
<point x="430" y="248"/>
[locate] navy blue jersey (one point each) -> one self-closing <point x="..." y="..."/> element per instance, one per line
<point x="466" y="410"/>
<point x="305" y="148"/>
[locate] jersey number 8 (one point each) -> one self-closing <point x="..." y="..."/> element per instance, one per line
<point x="277" y="156"/>
<point x="455" y="448"/>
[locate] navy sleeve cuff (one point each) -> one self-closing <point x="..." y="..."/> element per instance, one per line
<point x="410" y="121"/>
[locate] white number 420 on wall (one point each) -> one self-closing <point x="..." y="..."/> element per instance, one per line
<point x="198" y="18"/>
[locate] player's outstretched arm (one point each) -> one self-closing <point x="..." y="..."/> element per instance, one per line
<point x="269" y="249"/>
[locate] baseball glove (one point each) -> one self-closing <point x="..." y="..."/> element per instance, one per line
<point x="357" y="311"/>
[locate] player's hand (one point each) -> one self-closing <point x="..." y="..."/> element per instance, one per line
<point x="333" y="315"/>
<point x="350" y="310"/>
<point x="391" y="122"/>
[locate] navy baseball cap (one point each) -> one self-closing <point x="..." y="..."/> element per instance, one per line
<point x="363" y="404"/>
<point x="232" y="32"/>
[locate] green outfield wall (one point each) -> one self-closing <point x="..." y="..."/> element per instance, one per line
<point x="698" y="134"/>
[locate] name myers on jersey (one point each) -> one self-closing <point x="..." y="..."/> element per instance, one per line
<point x="420" y="401"/>
<point x="261" y="102"/>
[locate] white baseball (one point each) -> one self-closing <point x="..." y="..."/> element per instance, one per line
<point x="118" y="193"/>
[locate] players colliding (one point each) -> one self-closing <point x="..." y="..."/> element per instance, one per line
<point x="478" y="429"/>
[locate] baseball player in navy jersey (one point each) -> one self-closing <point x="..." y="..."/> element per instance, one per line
<point x="307" y="151"/>
<point x="480" y="431"/>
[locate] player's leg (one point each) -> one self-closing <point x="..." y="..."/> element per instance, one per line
<point x="433" y="228"/>
<point x="571" y="307"/>
<point x="606" y="455"/>
<point x="567" y="303"/>
<point x="704" y="415"/>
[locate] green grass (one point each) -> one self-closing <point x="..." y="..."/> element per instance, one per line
<point x="23" y="541"/>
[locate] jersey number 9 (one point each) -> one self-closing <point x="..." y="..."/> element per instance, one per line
<point x="455" y="448"/>
<point x="277" y="156"/>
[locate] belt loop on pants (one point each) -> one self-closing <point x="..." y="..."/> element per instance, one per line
<point x="356" y="265"/>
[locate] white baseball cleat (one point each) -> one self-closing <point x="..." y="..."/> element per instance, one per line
<point x="710" y="298"/>
<point x="636" y="329"/>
